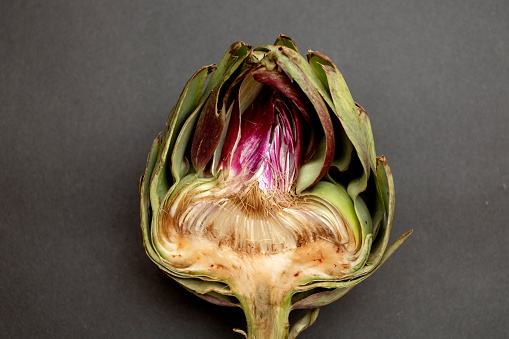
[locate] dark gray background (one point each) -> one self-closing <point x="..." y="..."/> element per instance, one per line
<point x="86" y="86"/>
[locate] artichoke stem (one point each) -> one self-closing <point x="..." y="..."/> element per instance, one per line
<point x="267" y="317"/>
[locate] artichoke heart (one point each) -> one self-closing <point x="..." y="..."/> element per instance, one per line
<point x="264" y="192"/>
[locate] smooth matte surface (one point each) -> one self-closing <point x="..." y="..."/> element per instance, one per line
<point x="86" y="86"/>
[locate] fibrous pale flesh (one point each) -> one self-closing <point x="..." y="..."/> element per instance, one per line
<point x="265" y="192"/>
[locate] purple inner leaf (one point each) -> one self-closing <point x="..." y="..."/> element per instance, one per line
<point x="256" y="123"/>
<point x="265" y="141"/>
<point x="207" y="133"/>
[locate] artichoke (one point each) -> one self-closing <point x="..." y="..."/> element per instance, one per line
<point x="264" y="191"/>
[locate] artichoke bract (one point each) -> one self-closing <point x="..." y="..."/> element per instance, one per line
<point x="264" y="192"/>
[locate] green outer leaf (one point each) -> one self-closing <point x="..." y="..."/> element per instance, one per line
<point x="386" y="187"/>
<point x="216" y="298"/>
<point x="321" y="298"/>
<point x="369" y="134"/>
<point x="211" y="291"/>
<point x="379" y="213"/>
<point x="145" y="211"/>
<point x="204" y="286"/>
<point x="303" y="323"/>
<point x="344" y="106"/>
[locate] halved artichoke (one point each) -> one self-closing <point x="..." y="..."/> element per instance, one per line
<point x="265" y="192"/>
